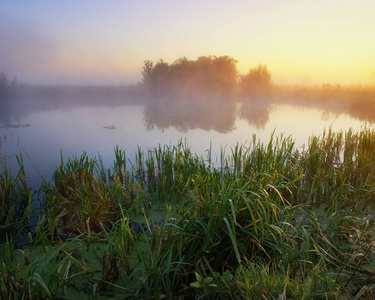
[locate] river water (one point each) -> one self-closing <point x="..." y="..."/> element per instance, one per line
<point x="41" y="134"/>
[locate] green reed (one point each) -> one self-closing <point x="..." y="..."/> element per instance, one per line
<point x="161" y="265"/>
<point x="15" y="199"/>
<point x="282" y="222"/>
<point x="40" y="277"/>
<point x="122" y="241"/>
<point x="79" y="201"/>
<point x="339" y="169"/>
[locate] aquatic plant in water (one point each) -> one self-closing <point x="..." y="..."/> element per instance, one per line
<point x="15" y="200"/>
<point x="267" y="221"/>
<point x="82" y="203"/>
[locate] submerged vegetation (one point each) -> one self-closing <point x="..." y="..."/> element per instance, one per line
<point x="265" y="221"/>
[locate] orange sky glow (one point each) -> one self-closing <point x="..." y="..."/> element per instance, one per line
<point x="94" y="42"/>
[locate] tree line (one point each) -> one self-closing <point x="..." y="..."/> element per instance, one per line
<point x="7" y="86"/>
<point x="206" y="76"/>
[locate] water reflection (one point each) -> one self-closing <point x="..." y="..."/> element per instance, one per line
<point x="25" y="99"/>
<point x="256" y="113"/>
<point x="98" y="129"/>
<point x="358" y="102"/>
<point x="187" y="113"/>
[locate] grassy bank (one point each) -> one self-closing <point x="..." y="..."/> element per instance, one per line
<point x="265" y="221"/>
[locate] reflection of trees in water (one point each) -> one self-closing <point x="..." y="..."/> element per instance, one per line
<point x="12" y="109"/>
<point x="357" y="102"/>
<point x="190" y="94"/>
<point x="255" y="112"/>
<point x="186" y="109"/>
<point x="20" y="101"/>
<point x="184" y="115"/>
<point x="363" y="109"/>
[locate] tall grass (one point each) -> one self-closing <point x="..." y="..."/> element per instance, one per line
<point x="15" y="200"/>
<point x="40" y="277"/>
<point x="339" y="169"/>
<point x="267" y="221"/>
<point x="79" y="201"/>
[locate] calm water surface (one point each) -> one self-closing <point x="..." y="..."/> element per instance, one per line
<point x="99" y="129"/>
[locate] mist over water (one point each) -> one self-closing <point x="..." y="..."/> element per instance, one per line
<point x="128" y="170"/>
<point x="204" y="103"/>
<point x="41" y="127"/>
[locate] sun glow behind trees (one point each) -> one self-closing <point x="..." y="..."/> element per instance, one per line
<point x="106" y="43"/>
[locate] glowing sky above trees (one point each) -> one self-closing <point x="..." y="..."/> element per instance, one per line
<point x="93" y="42"/>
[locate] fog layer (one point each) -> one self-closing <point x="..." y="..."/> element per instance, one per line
<point x="207" y="93"/>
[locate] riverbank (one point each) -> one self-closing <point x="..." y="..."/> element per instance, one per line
<point x="269" y="220"/>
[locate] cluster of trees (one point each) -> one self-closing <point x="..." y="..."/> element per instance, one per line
<point x="6" y="86"/>
<point x="212" y="81"/>
<point x="257" y="82"/>
<point x="207" y="76"/>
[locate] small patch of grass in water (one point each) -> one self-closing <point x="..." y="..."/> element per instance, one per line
<point x="26" y="125"/>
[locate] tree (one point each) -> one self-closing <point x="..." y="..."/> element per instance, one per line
<point x="4" y="81"/>
<point x="147" y="71"/>
<point x="226" y="72"/>
<point x="4" y="85"/>
<point x="160" y="72"/>
<point x="256" y="82"/>
<point x="208" y="76"/>
<point x="156" y="77"/>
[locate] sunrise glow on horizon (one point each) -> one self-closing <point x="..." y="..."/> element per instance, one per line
<point x="92" y="42"/>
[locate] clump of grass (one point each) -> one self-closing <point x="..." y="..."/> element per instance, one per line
<point x="15" y="200"/>
<point x="41" y="277"/>
<point x="265" y="281"/>
<point x="339" y="169"/>
<point x="160" y="264"/>
<point x="169" y="169"/>
<point x="268" y="221"/>
<point x="81" y="203"/>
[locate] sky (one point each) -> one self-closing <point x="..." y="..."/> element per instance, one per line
<point x="107" y="42"/>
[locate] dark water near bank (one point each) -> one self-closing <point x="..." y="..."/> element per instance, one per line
<point x="41" y="132"/>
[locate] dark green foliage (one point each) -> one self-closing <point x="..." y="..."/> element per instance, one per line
<point x="15" y="200"/>
<point x="266" y="221"/>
